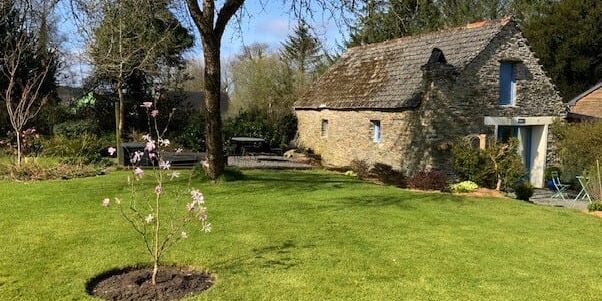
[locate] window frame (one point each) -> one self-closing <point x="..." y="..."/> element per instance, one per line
<point x="376" y="130"/>
<point x="323" y="128"/>
<point x="507" y="81"/>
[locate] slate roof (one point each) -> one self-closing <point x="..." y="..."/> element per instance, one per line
<point x="588" y="105"/>
<point x="388" y="75"/>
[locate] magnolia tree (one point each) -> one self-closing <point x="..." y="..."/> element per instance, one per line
<point x="144" y="210"/>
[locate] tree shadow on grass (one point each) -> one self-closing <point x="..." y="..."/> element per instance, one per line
<point x="404" y="200"/>
<point x="272" y="256"/>
<point x="303" y="182"/>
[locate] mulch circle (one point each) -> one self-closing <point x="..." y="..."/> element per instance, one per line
<point x="134" y="283"/>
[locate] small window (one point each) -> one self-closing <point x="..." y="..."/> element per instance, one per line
<point x="376" y="130"/>
<point x="324" y="128"/>
<point x="507" y="84"/>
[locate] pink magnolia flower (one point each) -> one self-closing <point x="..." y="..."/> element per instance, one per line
<point x="106" y="202"/>
<point x="197" y="196"/>
<point x="154" y="113"/>
<point x="150" y="146"/>
<point x="147" y="137"/>
<point x="136" y="157"/>
<point x="146" y="104"/>
<point x="207" y="227"/>
<point x="111" y="150"/>
<point x="164" y="142"/>
<point x="158" y="189"/>
<point x="205" y="163"/>
<point x="138" y="172"/>
<point x="164" y="164"/>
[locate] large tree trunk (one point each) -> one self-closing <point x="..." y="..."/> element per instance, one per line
<point x="211" y="24"/>
<point x="212" y="110"/>
<point x="119" y="110"/>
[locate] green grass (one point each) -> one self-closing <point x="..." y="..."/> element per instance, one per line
<point x="308" y="235"/>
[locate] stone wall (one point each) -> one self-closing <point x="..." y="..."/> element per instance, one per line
<point x="454" y="104"/>
<point x="349" y="136"/>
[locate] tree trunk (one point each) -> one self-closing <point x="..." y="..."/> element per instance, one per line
<point x="212" y="110"/>
<point x="18" y="148"/>
<point x="154" y="275"/>
<point x="119" y="110"/>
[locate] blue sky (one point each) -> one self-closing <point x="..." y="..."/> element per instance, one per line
<point x="269" y="23"/>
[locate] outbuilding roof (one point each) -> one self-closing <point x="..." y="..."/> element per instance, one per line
<point x="388" y="75"/>
<point x="588" y="105"/>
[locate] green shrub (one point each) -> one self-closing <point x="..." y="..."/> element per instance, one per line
<point x="594" y="186"/>
<point x="497" y="166"/>
<point x="31" y="170"/>
<point x="578" y="146"/>
<point x="550" y="170"/>
<point x="524" y="190"/>
<point x="361" y="168"/>
<point x="74" y="129"/>
<point x="472" y="164"/>
<point x="386" y="174"/>
<point x="428" y="180"/>
<point x="83" y="149"/>
<point x="276" y="132"/>
<point x="465" y="186"/>
<point x="193" y="136"/>
<point x="595" y="206"/>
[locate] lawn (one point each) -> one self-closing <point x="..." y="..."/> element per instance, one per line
<point x="308" y="235"/>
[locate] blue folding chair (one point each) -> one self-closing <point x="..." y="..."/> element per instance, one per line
<point x="559" y="188"/>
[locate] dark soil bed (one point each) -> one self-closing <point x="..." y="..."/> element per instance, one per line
<point x="135" y="284"/>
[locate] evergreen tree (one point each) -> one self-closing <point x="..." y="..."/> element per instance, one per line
<point x="302" y="49"/>
<point x="567" y="37"/>
<point x="385" y="20"/>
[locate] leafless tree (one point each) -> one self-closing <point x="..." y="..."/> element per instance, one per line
<point x="124" y="39"/>
<point x="24" y="95"/>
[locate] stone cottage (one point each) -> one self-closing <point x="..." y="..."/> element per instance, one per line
<point x="403" y="102"/>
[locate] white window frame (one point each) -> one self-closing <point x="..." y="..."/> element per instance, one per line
<point x="376" y="130"/>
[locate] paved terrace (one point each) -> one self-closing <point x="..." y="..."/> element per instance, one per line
<point x="265" y="162"/>
<point x="544" y="197"/>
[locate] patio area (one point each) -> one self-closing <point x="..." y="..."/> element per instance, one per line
<point x="266" y="161"/>
<point x="544" y="197"/>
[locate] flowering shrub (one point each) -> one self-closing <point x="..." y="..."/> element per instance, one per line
<point x="465" y="186"/>
<point x="143" y="211"/>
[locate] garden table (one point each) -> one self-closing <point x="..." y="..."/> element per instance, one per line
<point x="583" y="194"/>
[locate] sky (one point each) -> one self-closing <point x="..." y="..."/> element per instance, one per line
<point x="268" y="23"/>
